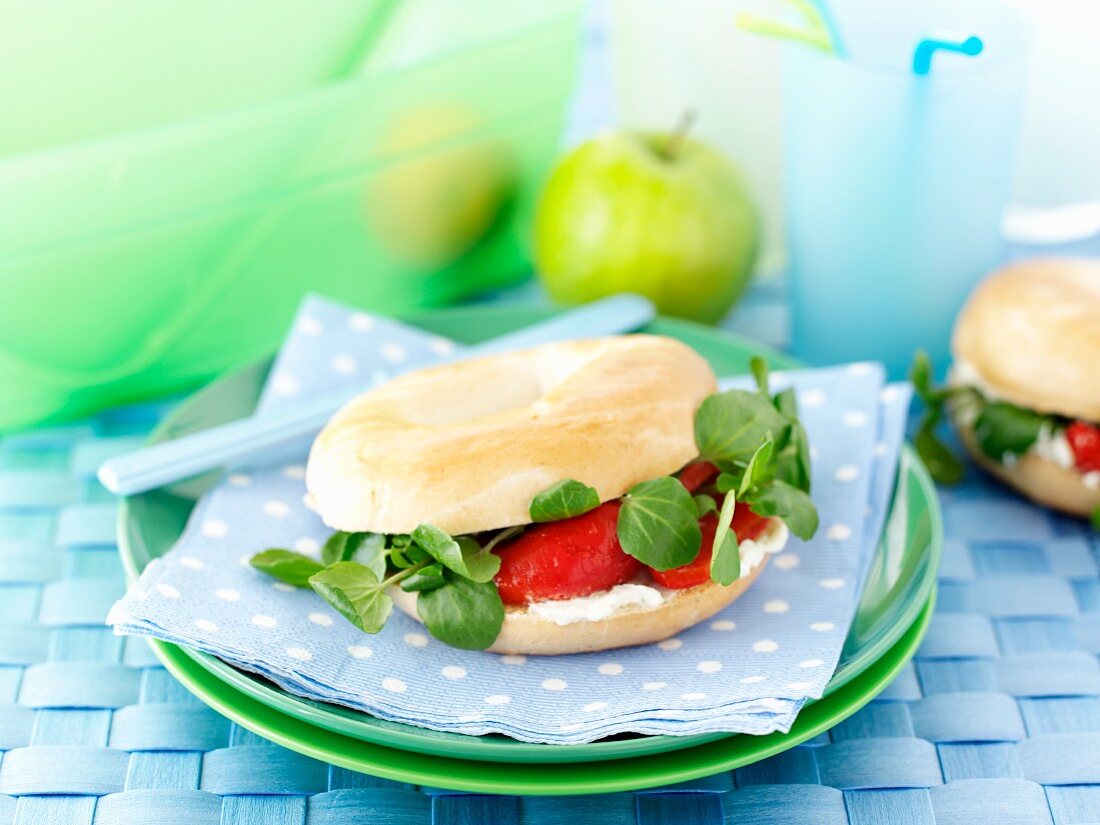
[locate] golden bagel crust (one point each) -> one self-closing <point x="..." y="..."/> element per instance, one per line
<point x="1040" y="479"/>
<point x="1032" y="332"/>
<point x="467" y="446"/>
<point x="527" y="634"/>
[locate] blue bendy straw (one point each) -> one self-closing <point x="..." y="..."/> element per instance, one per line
<point x="922" y="55"/>
<point x="190" y="455"/>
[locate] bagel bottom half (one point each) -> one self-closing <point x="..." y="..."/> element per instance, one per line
<point x="1038" y="478"/>
<point x="525" y="633"/>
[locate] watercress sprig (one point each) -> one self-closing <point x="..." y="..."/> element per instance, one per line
<point x="566" y="499"/>
<point x="659" y="524"/>
<point x="999" y="428"/>
<point x="762" y="452"/>
<point x="458" y="601"/>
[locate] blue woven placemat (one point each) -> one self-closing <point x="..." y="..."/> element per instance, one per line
<point x="997" y="720"/>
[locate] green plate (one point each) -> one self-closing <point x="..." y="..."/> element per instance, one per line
<point x="615" y="775"/>
<point x="900" y="580"/>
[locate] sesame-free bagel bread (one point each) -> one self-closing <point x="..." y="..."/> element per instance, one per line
<point x="1031" y="332"/>
<point x="467" y="446"/>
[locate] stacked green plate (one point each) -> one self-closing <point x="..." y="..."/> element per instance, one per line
<point x="890" y="621"/>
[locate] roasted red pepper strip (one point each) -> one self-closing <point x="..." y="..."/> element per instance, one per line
<point x="696" y="474"/>
<point x="563" y="559"/>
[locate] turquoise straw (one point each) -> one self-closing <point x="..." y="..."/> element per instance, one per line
<point x="922" y="55"/>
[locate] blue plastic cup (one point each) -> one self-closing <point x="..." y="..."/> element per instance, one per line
<point x="895" y="183"/>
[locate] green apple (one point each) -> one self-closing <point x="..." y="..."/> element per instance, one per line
<point x="660" y="215"/>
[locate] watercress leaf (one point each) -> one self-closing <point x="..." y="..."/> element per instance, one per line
<point x="1095" y="519"/>
<point x="464" y="556"/>
<point x="462" y="613"/>
<point x="563" y="500"/>
<point x="725" y="559"/>
<point x="759" y="368"/>
<point x="415" y="554"/>
<point x="789" y="503"/>
<point x="787" y="404"/>
<point x="286" y="565"/>
<point x="333" y="549"/>
<point x="481" y="565"/>
<point x="1005" y="429"/>
<point x="399" y="540"/>
<point x="658" y="524"/>
<point x="729" y="480"/>
<point x="369" y="550"/>
<point x="729" y="426"/>
<point x="920" y="374"/>
<point x="426" y="578"/>
<point x="704" y="504"/>
<point x="761" y="468"/>
<point x="440" y="546"/>
<point x="944" y="465"/>
<point x="398" y="558"/>
<point x="366" y="548"/>
<point x="356" y="594"/>
<point x="793" y="461"/>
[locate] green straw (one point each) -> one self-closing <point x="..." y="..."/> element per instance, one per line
<point x="815" y="32"/>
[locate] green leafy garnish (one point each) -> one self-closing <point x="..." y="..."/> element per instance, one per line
<point x="369" y="549"/>
<point x="286" y="565"/>
<point x="764" y="462"/>
<point x="463" y="555"/>
<point x="787" y="403"/>
<point x="1095" y="519"/>
<point x="658" y="524"/>
<point x="1000" y="429"/>
<point x="759" y="369"/>
<point x="356" y="594"/>
<point x="403" y="556"/>
<point x="941" y="462"/>
<point x="788" y="503"/>
<point x="566" y="499"/>
<point x="944" y="465"/>
<point x="725" y="559"/>
<point x="704" y="504"/>
<point x="426" y="578"/>
<point x="739" y="480"/>
<point x="1004" y="429"/>
<point x="462" y="613"/>
<point x="729" y="426"/>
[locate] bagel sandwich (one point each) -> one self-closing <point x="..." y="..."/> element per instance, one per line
<point x="1024" y="385"/>
<point x="577" y="496"/>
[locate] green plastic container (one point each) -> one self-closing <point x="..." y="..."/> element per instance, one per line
<point x="145" y="261"/>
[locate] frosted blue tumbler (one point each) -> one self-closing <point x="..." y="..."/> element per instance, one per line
<point x="895" y="183"/>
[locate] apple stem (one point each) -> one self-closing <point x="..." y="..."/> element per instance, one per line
<point x="679" y="135"/>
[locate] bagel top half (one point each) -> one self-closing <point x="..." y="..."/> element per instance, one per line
<point x="1030" y="334"/>
<point x="467" y="446"/>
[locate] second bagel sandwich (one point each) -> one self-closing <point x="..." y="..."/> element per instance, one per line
<point x="573" y="497"/>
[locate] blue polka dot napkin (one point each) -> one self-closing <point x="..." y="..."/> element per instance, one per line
<point x="748" y="669"/>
